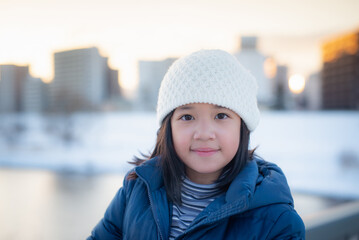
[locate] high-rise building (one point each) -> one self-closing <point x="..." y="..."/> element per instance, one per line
<point x="340" y="73"/>
<point x="112" y="89"/>
<point x="151" y="74"/>
<point x="12" y="81"/>
<point x="312" y="92"/>
<point x="283" y="96"/>
<point x="249" y="56"/>
<point x="82" y="80"/>
<point x="34" y="95"/>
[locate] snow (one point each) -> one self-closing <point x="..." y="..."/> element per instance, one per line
<point x="318" y="151"/>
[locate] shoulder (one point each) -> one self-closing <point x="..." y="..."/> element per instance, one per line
<point x="276" y="221"/>
<point x="129" y="200"/>
<point x="287" y="225"/>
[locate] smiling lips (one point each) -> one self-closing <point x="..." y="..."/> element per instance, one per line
<point x="205" y="152"/>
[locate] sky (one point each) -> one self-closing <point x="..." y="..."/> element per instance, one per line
<point x="125" y="31"/>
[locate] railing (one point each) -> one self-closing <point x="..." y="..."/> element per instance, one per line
<point x="337" y="223"/>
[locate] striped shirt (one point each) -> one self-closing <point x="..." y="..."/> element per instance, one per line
<point x="195" y="198"/>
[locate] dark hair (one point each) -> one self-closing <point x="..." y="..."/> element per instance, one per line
<point x="173" y="168"/>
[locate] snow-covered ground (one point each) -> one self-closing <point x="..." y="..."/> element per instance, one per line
<point x="318" y="151"/>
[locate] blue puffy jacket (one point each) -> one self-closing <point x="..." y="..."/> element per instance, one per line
<point x="257" y="205"/>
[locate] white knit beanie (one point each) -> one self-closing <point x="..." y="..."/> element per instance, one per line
<point x="209" y="76"/>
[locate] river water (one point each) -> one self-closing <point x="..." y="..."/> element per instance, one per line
<point x="38" y="204"/>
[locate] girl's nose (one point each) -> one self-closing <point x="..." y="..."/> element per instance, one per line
<point x="204" y="130"/>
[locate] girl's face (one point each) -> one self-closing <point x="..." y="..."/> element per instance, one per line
<point x="206" y="138"/>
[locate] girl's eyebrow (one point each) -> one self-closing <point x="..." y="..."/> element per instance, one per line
<point x="185" y="108"/>
<point x="219" y="107"/>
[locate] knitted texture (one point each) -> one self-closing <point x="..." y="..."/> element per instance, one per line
<point x="210" y="76"/>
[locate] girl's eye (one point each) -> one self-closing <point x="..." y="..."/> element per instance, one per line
<point x="186" y="117"/>
<point x="221" y="116"/>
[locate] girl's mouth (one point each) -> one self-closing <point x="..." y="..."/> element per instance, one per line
<point x="205" y="152"/>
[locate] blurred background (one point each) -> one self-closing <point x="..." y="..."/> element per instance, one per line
<point x="78" y="90"/>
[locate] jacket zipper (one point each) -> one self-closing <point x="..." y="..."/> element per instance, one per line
<point x="151" y="204"/>
<point x="158" y="226"/>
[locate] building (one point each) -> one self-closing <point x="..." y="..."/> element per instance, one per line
<point x="340" y="73"/>
<point x="12" y="82"/>
<point x="112" y="89"/>
<point x="283" y="96"/>
<point x="151" y="74"/>
<point x="313" y="92"/>
<point x="82" y="80"/>
<point x="34" y="95"/>
<point x="257" y="63"/>
<point x="19" y="91"/>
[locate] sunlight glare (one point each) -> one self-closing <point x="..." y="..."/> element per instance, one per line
<point x="270" y="68"/>
<point x="296" y="83"/>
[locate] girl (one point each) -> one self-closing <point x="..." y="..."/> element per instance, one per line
<point x="201" y="180"/>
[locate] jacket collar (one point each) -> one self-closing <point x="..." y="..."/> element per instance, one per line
<point x="244" y="183"/>
<point x="262" y="183"/>
<point x="151" y="173"/>
<point x="271" y="186"/>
